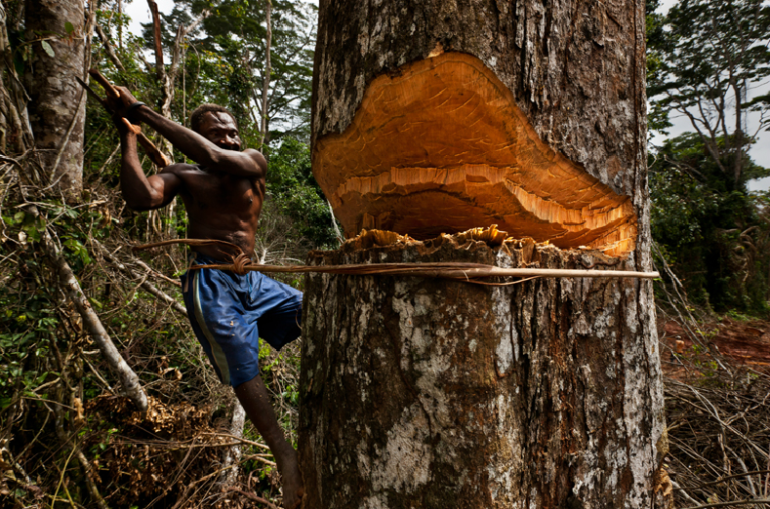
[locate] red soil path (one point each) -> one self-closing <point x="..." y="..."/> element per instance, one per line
<point x="744" y="342"/>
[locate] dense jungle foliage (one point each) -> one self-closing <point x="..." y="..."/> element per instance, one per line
<point x="69" y="437"/>
<point x="706" y="63"/>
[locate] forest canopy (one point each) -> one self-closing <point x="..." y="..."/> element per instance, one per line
<point x="708" y="62"/>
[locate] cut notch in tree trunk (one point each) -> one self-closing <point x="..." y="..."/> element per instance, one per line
<point x="440" y="146"/>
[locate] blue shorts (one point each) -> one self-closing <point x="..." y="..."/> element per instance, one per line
<point x="229" y="313"/>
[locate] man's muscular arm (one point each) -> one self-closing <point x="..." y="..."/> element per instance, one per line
<point x="140" y="192"/>
<point x="248" y="163"/>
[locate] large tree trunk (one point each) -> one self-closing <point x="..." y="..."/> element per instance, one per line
<point x="57" y="107"/>
<point x="434" y="117"/>
<point x="435" y="393"/>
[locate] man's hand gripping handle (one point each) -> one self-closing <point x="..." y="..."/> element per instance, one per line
<point x="113" y="94"/>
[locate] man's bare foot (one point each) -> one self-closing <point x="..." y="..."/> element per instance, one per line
<point x="256" y="401"/>
<point x="288" y="466"/>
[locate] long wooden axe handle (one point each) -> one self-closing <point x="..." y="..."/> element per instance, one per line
<point x="155" y="155"/>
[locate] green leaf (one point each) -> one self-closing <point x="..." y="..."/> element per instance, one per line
<point x="68" y="27"/>
<point x="32" y="231"/>
<point x="47" y="48"/>
<point x="78" y="249"/>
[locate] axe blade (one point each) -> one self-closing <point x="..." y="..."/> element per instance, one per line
<point x="93" y="93"/>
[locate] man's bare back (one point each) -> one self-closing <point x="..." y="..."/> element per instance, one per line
<point x="223" y="196"/>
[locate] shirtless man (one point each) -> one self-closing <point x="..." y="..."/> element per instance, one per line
<point x="223" y="196"/>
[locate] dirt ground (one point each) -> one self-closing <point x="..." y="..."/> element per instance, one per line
<point x="745" y="343"/>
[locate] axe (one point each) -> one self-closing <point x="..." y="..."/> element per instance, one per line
<point x="155" y="155"/>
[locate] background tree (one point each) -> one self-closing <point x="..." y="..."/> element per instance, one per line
<point x="56" y="54"/>
<point x="708" y="232"/>
<point x="704" y="59"/>
<point x="233" y="45"/>
<point x="711" y="54"/>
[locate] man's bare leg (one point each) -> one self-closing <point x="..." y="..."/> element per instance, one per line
<point x="256" y="401"/>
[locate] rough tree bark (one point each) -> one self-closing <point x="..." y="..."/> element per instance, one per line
<point x="438" y="116"/>
<point x="431" y="393"/>
<point x="57" y="103"/>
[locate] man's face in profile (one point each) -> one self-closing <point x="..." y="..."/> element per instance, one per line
<point x="219" y="128"/>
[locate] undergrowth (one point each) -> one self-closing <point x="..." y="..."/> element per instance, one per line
<point x="68" y="434"/>
<point x="717" y="407"/>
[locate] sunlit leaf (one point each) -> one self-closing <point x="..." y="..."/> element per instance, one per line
<point x="47" y="48"/>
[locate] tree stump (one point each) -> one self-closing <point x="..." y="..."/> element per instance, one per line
<point x="434" y="393"/>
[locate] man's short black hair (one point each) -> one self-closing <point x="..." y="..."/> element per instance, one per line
<point x="196" y="118"/>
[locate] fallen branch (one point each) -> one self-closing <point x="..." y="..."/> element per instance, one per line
<point x="233" y="454"/>
<point x="98" y="333"/>
<point x="258" y="457"/>
<point x="250" y="442"/>
<point x="727" y="504"/>
<point x="713" y="430"/>
<point x="155" y="273"/>
<point x="146" y="285"/>
<point x="253" y="497"/>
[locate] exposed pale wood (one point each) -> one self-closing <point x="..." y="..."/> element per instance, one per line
<point x="441" y="147"/>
